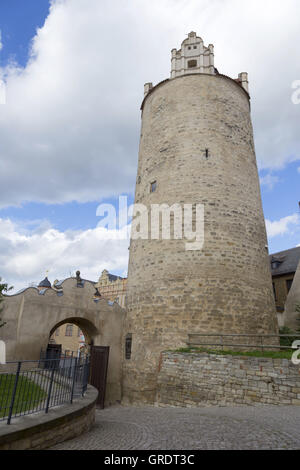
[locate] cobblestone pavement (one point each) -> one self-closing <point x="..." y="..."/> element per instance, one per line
<point x="135" y="428"/>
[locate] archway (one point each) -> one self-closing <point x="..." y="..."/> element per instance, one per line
<point x="75" y="334"/>
<point x="31" y="316"/>
<point x="72" y="341"/>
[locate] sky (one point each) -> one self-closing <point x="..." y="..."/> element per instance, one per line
<point x="69" y="129"/>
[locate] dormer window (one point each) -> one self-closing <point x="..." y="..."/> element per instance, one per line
<point x="192" y="63"/>
<point x="275" y="263"/>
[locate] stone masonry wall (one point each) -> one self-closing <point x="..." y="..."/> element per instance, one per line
<point x="199" y="379"/>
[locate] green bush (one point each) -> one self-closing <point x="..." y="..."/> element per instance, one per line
<point x="287" y="331"/>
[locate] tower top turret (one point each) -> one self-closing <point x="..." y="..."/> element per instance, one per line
<point x="193" y="57"/>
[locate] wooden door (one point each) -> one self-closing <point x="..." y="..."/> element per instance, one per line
<point x="99" y="365"/>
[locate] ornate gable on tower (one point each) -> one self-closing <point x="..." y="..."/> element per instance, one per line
<point x="193" y="57"/>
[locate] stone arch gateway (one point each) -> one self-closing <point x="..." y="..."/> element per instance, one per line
<point x="32" y="315"/>
<point x="86" y="326"/>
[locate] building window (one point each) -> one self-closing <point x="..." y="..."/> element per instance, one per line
<point x="69" y="330"/>
<point x="192" y="64"/>
<point x="128" y="344"/>
<point x="57" y="332"/>
<point x="189" y="48"/>
<point x="289" y="283"/>
<point x="153" y="186"/>
<point x="195" y="47"/>
<point x="274" y="290"/>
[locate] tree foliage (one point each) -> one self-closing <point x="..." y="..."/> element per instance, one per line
<point x="3" y="289"/>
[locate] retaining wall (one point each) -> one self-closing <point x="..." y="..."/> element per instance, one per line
<point x="197" y="379"/>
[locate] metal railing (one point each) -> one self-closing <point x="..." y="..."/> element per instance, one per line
<point x="222" y="340"/>
<point x="34" y="386"/>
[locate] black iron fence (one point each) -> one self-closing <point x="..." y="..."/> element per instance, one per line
<point x="244" y="341"/>
<point x="34" y="386"/>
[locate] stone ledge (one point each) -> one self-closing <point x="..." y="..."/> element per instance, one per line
<point x="41" y="430"/>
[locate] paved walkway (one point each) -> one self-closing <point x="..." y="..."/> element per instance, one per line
<point x="135" y="428"/>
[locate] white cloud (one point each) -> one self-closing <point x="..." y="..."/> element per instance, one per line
<point x="269" y="181"/>
<point x="70" y="126"/>
<point x="26" y="256"/>
<point x="282" y="226"/>
<point x="28" y="250"/>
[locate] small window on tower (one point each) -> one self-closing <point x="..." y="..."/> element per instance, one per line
<point x="192" y="64"/>
<point x="195" y="47"/>
<point x="128" y="345"/>
<point x="189" y="48"/>
<point x="153" y="187"/>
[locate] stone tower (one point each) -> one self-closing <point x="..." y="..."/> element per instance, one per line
<point x="196" y="147"/>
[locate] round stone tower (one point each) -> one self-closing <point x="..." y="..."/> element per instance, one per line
<point x="196" y="151"/>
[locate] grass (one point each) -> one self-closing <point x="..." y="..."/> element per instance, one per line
<point x="287" y="354"/>
<point x="28" y="394"/>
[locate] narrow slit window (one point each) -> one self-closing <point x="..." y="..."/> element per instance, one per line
<point x="128" y="345"/>
<point x="153" y="186"/>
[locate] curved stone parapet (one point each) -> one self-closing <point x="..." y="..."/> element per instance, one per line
<point x="41" y="430"/>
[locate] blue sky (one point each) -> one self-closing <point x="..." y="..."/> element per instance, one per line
<point x="18" y="23"/>
<point x="53" y="186"/>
